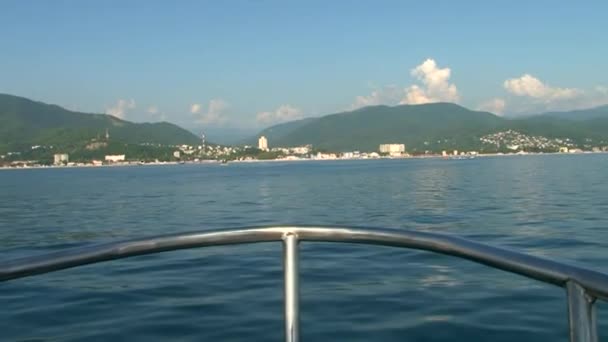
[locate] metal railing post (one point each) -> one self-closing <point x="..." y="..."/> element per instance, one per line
<point x="581" y="314"/>
<point x="584" y="286"/>
<point x="292" y="291"/>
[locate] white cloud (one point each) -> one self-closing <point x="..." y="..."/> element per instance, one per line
<point x="599" y="96"/>
<point x="528" y="93"/>
<point x="121" y="108"/>
<point x="496" y="106"/>
<point x="387" y="95"/>
<point x="215" y="114"/>
<point x="533" y="95"/>
<point x="282" y="114"/>
<point x="156" y="113"/>
<point x="530" y="86"/>
<point x="437" y="86"/>
<point x="602" y="90"/>
<point x="152" y="110"/>
<point x="434" y="86"/>
<point x="195" y="108"/>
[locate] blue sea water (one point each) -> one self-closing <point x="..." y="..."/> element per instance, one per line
<point x="553" y="206"/>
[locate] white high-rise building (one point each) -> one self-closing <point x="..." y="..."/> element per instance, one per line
<point x="392" y="149"/>
<point x="263" y="143"/>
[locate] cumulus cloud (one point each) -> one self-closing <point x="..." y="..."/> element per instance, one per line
<point x="121" y="108"/>
<point x="496" y="106"/>
<point x="530" y="86"/>
<point x="434" y="86"/>
<point x="215" y="113"/>
<point x="152" y="110"/>
<point x="282" y="114"/>
<point x="533" y="95"/>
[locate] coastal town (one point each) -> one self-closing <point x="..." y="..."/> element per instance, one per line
<point x="512" y="142"/>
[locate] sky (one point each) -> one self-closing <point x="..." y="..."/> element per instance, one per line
<point x="239" y="66"/>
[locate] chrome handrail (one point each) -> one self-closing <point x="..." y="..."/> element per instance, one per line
<point x="583" y="286"/>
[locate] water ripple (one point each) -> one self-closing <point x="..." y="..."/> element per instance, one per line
<point x="551" y="206"/>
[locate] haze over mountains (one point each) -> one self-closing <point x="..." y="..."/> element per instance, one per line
<point x="580" y="115"/>
<point x="434" y="126"/>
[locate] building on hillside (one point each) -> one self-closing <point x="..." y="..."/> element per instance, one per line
<point x="61" y="158"/>
<point x="176" y="154"/>
<point x="114" y="158"/>
<point x="263" y="143"/>
<point x="563" y="149"/>
<point x="392" y="149"/>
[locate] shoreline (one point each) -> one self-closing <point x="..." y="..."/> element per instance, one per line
<point x="217" y="162"/>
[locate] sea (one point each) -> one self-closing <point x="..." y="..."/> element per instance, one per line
<point x="553" y="206"/>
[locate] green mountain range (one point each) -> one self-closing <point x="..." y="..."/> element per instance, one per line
<point x="24" y="123"/>
<point x="580" y="115"/>
<point x="428" y="127"/>
<point x="432" y="127"/>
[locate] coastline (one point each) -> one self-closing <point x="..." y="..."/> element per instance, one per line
<point x="290" y="160"/>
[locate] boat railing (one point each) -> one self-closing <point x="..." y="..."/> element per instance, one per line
<point x="583" y="286"/>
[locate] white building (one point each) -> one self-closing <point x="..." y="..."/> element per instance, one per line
<point x="392" y="149"/>
<point x="301" y="149"/>
<point x="325" y="156"/>
<point x="176" y="154"/>
<point x="280" y="149"/>
<point x="113" y="158"/>
<point x="61" y="158"/>
<point x="263" y="143"/>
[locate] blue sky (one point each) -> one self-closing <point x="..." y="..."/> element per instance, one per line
<point x="248" y="64"/>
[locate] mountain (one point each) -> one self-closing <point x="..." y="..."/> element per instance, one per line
<point x="366" y="128"/>
<point x="580" y="115"/>
<point x="433" y="127"/>
<point x="277" y="132"/>
<point x="24" y="123"/>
